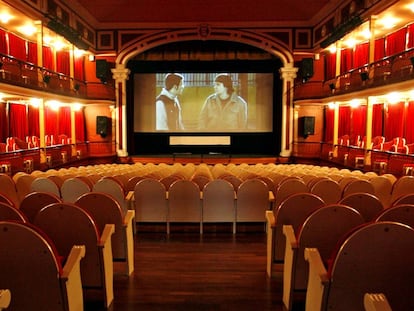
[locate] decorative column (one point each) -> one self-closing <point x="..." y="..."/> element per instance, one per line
<point x="368" y="130"/>
<point x="335" y="130"/>
<point x="120" y="74"/>
<point x="288" y="74"/>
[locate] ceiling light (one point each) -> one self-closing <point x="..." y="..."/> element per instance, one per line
<point x="5" y="17"/>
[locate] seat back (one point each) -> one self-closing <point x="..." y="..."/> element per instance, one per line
<point x="150" y="201"/>
<point x="252" y="201"/>
<point x="404" y="185"/>
<point x="67" y="225"/>
<point x="9" y="212"/>
<point x="403" y="213"/>
<point x="45" y="184"/>
<point x="219" y="202"/>
<point x="23" y="184"/>
<point x="382" y="188"/>
<point x="292" y="211"/>
<point x="184" y="202"/>
<point x="405" y="199"/>
<point x="114" y="188"/>
<point x="34" y="283"/>
<point x="377" y="258"/>
<point x="288" y="187"/>
<point x="359" y="185"/>
<point x="8" y="189"/>
<point x="367" y="204"/>
<point x="73" y="188"/>
<point x="104" y="209"/>
<point x="323" y="229"/>
<point x="328" y="190"/>
<point x="35" y="201"/>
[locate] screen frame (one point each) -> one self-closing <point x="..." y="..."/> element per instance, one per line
<point x="240" y="143"/>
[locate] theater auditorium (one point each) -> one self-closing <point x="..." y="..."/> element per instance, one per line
<point x="217" y="155"/>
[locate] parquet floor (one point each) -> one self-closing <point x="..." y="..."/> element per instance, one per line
<point x="186" y="271"/>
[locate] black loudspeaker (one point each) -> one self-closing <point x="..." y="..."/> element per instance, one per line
<point x="364" y="76"/>
<point x="102" y="123"/>
<point x="306" y="68"/>
<point x="101" y="69"/>
<point x="306" y="126"/>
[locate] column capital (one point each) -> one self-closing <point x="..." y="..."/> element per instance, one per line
<point x="289" y="72"/>
<point x="120" y="73"/>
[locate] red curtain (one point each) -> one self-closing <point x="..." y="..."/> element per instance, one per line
<point x="395" y="42"/>
<point x="361" y="55"/>
<point x="359" y="119"/>
<point x="344" y="127"/>
<point x="63" y="62"/>
<point x="51" y="122"/>
<point x="377" y="120"/>
<point x="409" y="121"/>
<point x="64" y="121"/>
<point x="329" y="124"/>
<point x="330" y="65"/>
<point x="79" y="70"/>
<point x="3" y="121"/>
<point x="33" y="121"/>
<point x="18" y="121"/>
<point x="80" y="125"/>
<point x="379" y="49"/>
<point x="17" y="47"/>
<point x="32" y="52"/>
<point x="394" y="121"/>
<point x="3" y="42"/>
<point x="47" y="58"/>
<point x="346" y="60"/>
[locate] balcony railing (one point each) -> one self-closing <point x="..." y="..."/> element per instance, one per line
<point x="392" y="69"/>
<point x="24" y="74"/>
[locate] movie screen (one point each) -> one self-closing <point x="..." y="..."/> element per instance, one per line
<point x="203" y="102"/>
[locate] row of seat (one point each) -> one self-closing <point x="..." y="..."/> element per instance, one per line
<point x="106" y="236"/>
<point x="307" y="222"/>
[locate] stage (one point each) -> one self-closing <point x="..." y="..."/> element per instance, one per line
<point x="210" y="158"/>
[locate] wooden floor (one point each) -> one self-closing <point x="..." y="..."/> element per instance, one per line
<point x="188" y="271"/>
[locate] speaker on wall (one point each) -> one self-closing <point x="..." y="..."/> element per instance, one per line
<point x="306" y="126"/>
<point x="101" y="69"/>
<point x="306" y="68"/>
<point x="102" y="123"/>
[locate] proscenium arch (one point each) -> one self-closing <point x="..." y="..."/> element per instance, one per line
<point x="258" y="40"/>
<point x="206" y="33"/>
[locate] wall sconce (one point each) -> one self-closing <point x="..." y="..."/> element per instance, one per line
<point x="332" y="86"/>
<point x="412" y="60"/>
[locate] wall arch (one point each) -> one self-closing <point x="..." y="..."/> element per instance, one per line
<point x="259" y="40"/>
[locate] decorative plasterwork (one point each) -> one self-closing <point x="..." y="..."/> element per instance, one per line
<point x="277" y="42"/>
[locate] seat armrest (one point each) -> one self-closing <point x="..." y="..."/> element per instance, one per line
<point x="376" y="302"/>
<point x="318" y="281"/>
<point x="270" y="227"/>
<point x="71" y="278"/>
<point x="291" y="240"/>
<point x="108" y="230"/>
<point x="270" y="218"/>
<point x="289" y="266"/>
<point x="129" y="217"/>
<point x="5" y="298"/>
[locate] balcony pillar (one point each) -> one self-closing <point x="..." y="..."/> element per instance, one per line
<point x="120" y="74"/>
<point x="288" y="74"/>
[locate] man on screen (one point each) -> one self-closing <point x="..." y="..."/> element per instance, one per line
<point x="168" y="109"/>
<point x="223" y="110"/>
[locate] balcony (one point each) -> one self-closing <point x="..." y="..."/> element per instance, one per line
<point x="392" y="69"/>
<point x="19" y="73"/>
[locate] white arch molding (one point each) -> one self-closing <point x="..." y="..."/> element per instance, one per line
<point x="205" y="32"/>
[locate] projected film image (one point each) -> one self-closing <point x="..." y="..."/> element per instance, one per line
<point x="203" y="102"/>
